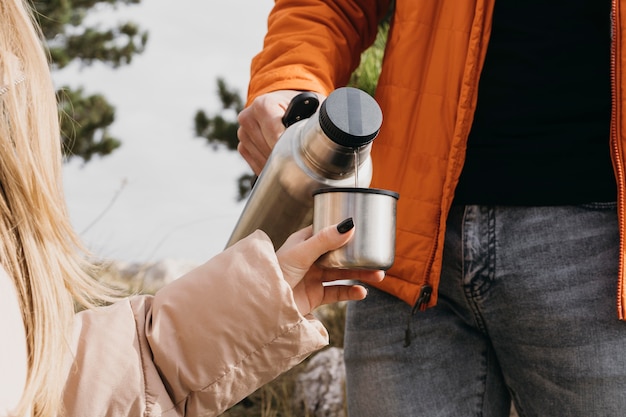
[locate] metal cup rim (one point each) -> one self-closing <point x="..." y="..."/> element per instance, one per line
<point x="356" y="190"/>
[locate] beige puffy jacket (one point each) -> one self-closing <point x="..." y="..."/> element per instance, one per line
<point x="199" y="346"/>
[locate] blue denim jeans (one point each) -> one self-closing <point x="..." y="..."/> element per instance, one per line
<point x="527" y="313"/>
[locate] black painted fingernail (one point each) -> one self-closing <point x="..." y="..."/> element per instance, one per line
<point x="345" y="226"/>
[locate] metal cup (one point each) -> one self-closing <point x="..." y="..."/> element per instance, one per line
<point x="374" y="214"/>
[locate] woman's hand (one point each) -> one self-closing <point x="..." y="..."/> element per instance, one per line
<point x="301" y="250"/>
<point x="260" y="126"/>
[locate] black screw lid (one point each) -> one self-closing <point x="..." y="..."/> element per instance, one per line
<point x="350" y="117"/>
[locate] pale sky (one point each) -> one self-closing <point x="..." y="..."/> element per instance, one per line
<point x="164" y="193"/>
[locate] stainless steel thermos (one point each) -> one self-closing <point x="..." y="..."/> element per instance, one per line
<point x="329" y="149"/>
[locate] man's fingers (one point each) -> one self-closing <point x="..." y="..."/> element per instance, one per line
<point x="336" y="293"/>
<point x="366" y="276"/>
<point x="252" y="156"/>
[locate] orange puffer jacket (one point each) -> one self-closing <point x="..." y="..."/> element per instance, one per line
<point x="427" y="91"/>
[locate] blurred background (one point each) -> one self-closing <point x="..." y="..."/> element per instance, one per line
<point x="144" y="186"/>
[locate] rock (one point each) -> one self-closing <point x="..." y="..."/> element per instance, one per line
<point x="320" y="387"/>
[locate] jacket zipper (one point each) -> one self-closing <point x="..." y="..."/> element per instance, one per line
<point x="422" y="300"/>
<point x="423" y="297"/>
<point x="617" y="158"/>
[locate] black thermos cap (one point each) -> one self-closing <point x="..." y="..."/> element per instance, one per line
<point x="350" y="117"/>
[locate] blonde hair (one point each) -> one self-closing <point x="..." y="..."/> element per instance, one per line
<point x="38" y="247"/>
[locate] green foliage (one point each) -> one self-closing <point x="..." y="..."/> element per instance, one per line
<point x="365" y="77"/>
<point x="220" y="130"/>
<point x="95" y="45"/>
<point x="85" y="119"/>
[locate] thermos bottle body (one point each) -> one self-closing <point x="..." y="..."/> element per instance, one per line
<point x="318" y="152"/>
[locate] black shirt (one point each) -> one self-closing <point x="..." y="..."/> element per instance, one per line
<point x="540" y="134"/>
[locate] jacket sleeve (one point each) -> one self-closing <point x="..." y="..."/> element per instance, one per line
<point x="314" y="44"/>
<point x="199" y="346"/>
